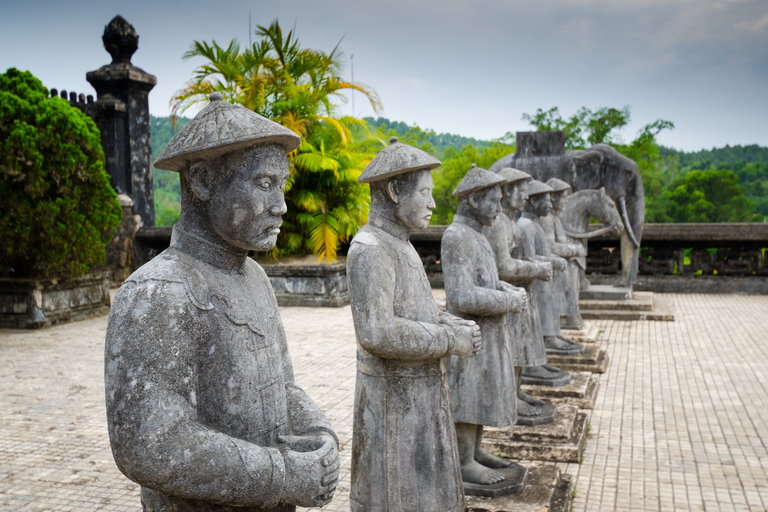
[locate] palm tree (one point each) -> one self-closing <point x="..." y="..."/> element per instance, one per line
<point x="296" y="87"/>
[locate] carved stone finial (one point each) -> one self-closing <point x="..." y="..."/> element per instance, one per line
<point x="120" y="40"/>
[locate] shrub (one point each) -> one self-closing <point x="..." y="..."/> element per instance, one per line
<point x="57" y="208"/>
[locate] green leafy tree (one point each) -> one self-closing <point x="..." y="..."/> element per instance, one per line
<point x="57" y="208"/>
<point x="298" y="88"/>
<point x="586" y="128"/>
<point x="167" y="190"/>
<point x="709" y="196"/>
<point x="456" y="163"/>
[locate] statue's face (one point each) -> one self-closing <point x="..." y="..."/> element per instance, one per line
<point x="558" y="200"/>
<point x="488" y="205"/>
<point x="518" y="194"/>
<point x="414" y="202"/>
<point x="247" y="205"/>
<point x="542" y="205"/>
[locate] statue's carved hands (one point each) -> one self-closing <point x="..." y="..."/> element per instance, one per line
<point x="581" y="252"/>
<point x="467" y="339"/>
<point x="617" y="228"/>
<point x="453" y="320"/>
<point x="311" y="469"/>
<point x="519" y="299"/>
<point x="544" y="271"/>
<point x="558" y="263"/>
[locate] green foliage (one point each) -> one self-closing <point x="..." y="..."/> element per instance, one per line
<point x="166" y="185"/>
<point x="585" y="128"/>
<point x="434" y="143"/>
<point x="57" y="208"/>
<point x="709" y="196"/>
<point x="455" y="166"/>
<point x="297" y="87"/>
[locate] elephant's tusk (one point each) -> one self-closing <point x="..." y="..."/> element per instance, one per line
<point x="591" y="234"/>
<point x="627" y="224"/>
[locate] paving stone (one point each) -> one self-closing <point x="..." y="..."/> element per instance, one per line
<point x="680" y="421"/>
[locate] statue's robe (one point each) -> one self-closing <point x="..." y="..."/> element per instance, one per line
<point x="506" y="239"/>
<point x="560" y="245"/>
<point x="483" y="388"/>
<point x="536" y="246"/>
<point x="199" y="383"/>
<point x="404" y="454"/>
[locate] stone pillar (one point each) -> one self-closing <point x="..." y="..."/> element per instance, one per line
<point x="540" y="154"/>
<point x="122" y="115"/>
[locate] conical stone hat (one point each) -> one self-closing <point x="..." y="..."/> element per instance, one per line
<point x="477" y="179"/>
<point x="222" y="127"/>
<point x="558" y="185"/>
<point x="535" y="187"/>
<point x="397" y="158"/>
<point x="513" y="175"/>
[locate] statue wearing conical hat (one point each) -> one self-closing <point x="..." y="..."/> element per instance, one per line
<point x="539" y="246"/>
<point x="482" y="388"/>
<point x="202" y="407"/>
<point x="404" y="454"/>
<point x="515" y="267"/>
<point x="566" y="282"/>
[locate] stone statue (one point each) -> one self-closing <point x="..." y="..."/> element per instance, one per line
<point x="506" y="239"/>
<point x="579" y="208"/>
<point x="537" y="246"/>
<point x="481" y="387"/>
<point x="202" y="407"/>
<point x="404" y="454"/>
<point x="543" y="156"/>
<point x="566" y="282"/>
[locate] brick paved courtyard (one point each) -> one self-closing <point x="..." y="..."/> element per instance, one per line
<point x="680" y="422"/>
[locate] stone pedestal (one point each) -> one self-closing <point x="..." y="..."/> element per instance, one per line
<point x="309" y="285"/>
<point x="581" y="391"/>
<point x="513" y="483"/>
<point x="546" y="489"/>
<point x="641" y="306"/>
<point x="594" y="359"/>
<point x="561" y="441"/>
<point x="587" y="334"/>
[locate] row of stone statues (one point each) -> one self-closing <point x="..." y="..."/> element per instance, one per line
<point x="202" y="407"/>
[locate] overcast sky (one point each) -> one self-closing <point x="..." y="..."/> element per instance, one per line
<point x="458" y="66"/>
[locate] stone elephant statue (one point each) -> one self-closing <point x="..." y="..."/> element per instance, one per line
<point x="543" y="156"/>
<point x="603" y="166"/>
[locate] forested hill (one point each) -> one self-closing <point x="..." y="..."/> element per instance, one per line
<point x="730" y="155"/>
<point x="439" y="141"/>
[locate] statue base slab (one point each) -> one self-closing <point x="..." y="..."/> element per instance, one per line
<point x="594" y="359"/>
<point x="587" y="334"/>
<point x="642" y="306"/>
<point x="605" y="292"/>
<point x="546" y="488"/>
<point x="581" y="391"/>
<point x="560" y="441"/>
<point x="561" y="379"/>
<point x="548" y="415"/>
<point x="513" y="483"/>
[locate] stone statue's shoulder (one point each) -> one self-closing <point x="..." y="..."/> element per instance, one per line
<point x="457" y="232"/>
<point x="367" y="236"/>
<point x="171" y="268"/>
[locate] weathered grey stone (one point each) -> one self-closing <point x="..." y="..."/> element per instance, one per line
<point x="514" y="482"/>
<point x="121" y="257"/>
<point x="560" y="441"/>
<point x="480" y="387"/>
<point x="506" y="240"/>
<point x="546" y="489"/>
<point x="592" y="359"/>
<point x="121" y="113"/>
<point x="35" y="303"/>
<point x="581" y="391"/>
<point x="542" y="155"/>
<point x="575" y="216"/>
<point x="404" y="454"/>
<point x="538" y="246"/>
<point x="566" y="281"/>
<point x="202" y="407"/>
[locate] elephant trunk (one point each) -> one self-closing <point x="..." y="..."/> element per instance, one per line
<point x="627" y="223"/>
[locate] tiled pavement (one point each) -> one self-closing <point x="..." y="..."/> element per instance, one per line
<point x="680" y="423"/>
